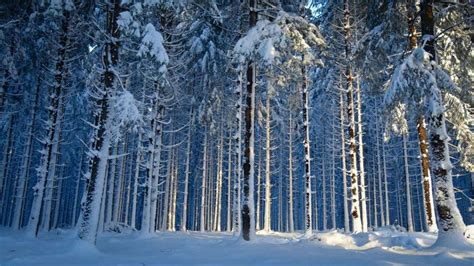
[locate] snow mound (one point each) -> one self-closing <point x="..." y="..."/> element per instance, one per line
<point x="335" y="238"/>
<point x="387" y="238"/>
<point x="121" y="228"/>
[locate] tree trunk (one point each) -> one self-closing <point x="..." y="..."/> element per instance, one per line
<point x="111" y="186"/>
<point x="58" y="198"/>
<point x="332" y="183"/>
<point x="363" y="200"/>
<point x="379" y="173"/>
<point x="165" y="222"/>
<point x="248" y="212"/>
<point x="101" y="140"/>
<point x="218" y="196"/>
<point x="323" y="181"/>
<point x="259" y="178"/>
<point x="356" y="219"/>
<point x="308" y="226"/>
<point x="280" y="194"/>
<point x="203" y="186"/>
<point x="422" y="136"/>
<point x="343" y="159"/>
<point x="76" y="190"/>
<point x="430" y="219"/>
<point x="236" y="224"/>
<point x="128" y="191"/>
<point x="122" y="174"/>
<point x="291" y="222"/>
<point x="7" y="156"/>
<point x="268" y="185"/>
<point x="387" y="206"/>
<point x="449" y="218"/>
<point x="408" y="188"/>
<point x="229" y="177"/>
<point x="136" y="177"/>
<point x="187" y="172"/>
<point x="175" y="191"/>
<point x="156" y="163"/>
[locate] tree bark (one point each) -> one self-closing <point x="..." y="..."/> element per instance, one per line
<point x="308" y="225"/>
<point x="430" y="218"/>
<point x="291" y="222"/>
<point x="268" y="185"/>
<point x="248" y="212"/>
<point x="408" y="188"/>
<point x="422" y="135"/>
<point x="343" y="159"/>
<point x="101" y="140"/>
<point x="356" y="219"/>
<point x="187" y="172"/>
<point x="363" y="198"/>
<point x="449" y="218"/>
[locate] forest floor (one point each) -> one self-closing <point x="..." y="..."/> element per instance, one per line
<point x="383" y="247"/>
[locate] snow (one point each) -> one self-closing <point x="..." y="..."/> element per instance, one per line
<point x="469" y="233"/>
<point x="267" y="51"/>
<point x="56" y="6"/>
<point x="152" y="45"/>
<point x="383" y="247"/>
<point x="126" y="111"/>
<point x="126" y="23"/>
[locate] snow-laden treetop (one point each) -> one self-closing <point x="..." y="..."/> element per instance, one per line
<point x="287" y="35"/>
<point x="152" y="45"/>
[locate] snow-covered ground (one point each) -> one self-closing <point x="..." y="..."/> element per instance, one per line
<point x="383" y="247"/>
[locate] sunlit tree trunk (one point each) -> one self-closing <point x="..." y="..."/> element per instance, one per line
<point x="450" y="221"/>
<point x="387" y="204"/>
<point x="308" y="225"/>
<point x="236" y="214"/>
<point x="422" y="134"/>
<point x="268" y="148"/>
<point x="360" y="133"/>
<point x="165" y="222"/>
<point x="343" y="159"/>
<point x="355" y="212"/>
<point x="218" y="197"/>
<point x="203" y="184"/>
<point x="379" y="174"/>
<point x="229" y="183"/>
<point x="430" y="218"/>
<point x="333" y="176"/>
<point x="259" y="178"/>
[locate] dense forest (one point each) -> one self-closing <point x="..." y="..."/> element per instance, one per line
<point x="237" y="116"/>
